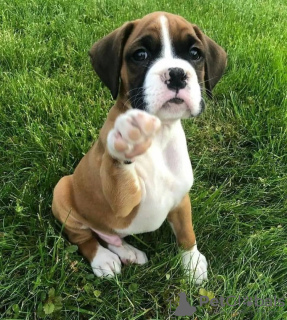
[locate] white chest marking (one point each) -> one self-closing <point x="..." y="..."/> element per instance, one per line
<point x="166" y="176"/>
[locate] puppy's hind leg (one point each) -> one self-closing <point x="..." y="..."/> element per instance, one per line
<point x="103" y="261"/>
<point x="129" y="254"/>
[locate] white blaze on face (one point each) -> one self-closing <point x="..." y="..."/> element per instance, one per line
<point x="166" y="43"/>
<point x="156" y="93"/>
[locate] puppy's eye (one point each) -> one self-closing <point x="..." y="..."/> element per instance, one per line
<point x="140" y="55"/>
<point x="195" y="53"/>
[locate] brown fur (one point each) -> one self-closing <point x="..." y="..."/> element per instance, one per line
<point x="181" y="221"/>
<point x="101" y="194"/>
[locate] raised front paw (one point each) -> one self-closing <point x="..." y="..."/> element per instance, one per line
<point x="195" y="265"/>
<point x="132" y="134"/>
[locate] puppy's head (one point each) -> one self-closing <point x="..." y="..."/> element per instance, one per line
<point x="159" y="64"/>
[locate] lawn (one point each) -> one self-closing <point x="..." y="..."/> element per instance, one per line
<point x="52" y="106"/>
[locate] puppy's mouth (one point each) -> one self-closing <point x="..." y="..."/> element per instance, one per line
<point x="174" y="103"/>
<point x="176" y="100"/>
<point x="174" y="108"/>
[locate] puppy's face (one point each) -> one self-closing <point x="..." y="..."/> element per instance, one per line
<point x="162" y="62"/>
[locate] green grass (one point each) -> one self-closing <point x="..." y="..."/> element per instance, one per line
<point x="51" y="109"/>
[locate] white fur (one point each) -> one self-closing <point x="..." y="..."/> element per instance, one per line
<point x="195" y="265"/>
<point x="167" y="51"/>
<point x="133" y="119"/>
<point x="129" y="254"/>
<point x="105" y="263"/>
<point x="166" y="176"/>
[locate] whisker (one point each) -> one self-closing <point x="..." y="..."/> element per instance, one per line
<point x="138" y="88"/>
<point x="207" y="80"/>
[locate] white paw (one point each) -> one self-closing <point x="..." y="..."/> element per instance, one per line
<point x="106" y="263"/>
<point x="129" y="254"/>
<point x="195" y="265"/>
<point x="132" y="134"/>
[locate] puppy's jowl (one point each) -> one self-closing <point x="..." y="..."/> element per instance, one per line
<point x="138" y="173"/>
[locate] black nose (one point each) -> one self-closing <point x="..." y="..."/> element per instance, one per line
<point x="177" y="79"/>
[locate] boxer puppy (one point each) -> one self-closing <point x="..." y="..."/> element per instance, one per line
<point x="138" y="172"/>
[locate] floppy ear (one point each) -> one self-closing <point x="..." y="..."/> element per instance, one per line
<point x="215" y="61"/>
<point x="107" y="54"/>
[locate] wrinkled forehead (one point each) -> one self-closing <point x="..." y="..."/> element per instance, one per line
<point x="153" y="27"/>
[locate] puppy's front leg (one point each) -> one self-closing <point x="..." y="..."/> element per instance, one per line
<point x="193" y="261"/>
<point x="131" y="136"/>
